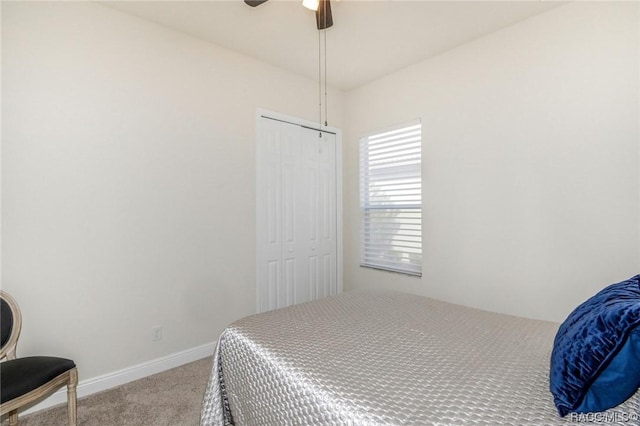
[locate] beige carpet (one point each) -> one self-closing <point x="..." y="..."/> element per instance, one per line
<point x="171" y="398"/>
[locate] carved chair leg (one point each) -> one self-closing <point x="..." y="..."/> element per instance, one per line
<point x="72" y="397"/>
<point x="13" y="418"/>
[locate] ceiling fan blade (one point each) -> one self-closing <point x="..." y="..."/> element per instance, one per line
<point x="254" y="3"/>
<point x="324" y="19"/>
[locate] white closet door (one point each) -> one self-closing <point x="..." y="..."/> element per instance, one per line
<point x="296" y="214"/>
<point x="320" y="178"/>
<point x="269" y="200"/>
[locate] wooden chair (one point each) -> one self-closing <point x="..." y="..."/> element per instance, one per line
<point x="29" y="379"/>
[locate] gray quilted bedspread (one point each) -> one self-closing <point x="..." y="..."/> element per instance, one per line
<point x="388" y="358"/>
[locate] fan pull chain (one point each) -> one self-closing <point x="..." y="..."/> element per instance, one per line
<point x="319" y="85"/>
<point x="326" y="107"/>
<point x="325" y="5"/>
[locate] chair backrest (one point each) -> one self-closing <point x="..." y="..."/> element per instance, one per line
<point x="10" y="325"/>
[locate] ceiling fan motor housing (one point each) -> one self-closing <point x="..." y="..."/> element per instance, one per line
<point x="324" y="19"/>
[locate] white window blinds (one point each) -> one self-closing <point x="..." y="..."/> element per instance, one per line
<point x="391" y="200"/>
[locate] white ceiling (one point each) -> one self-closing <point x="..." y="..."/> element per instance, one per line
<point x="369" y="39"/>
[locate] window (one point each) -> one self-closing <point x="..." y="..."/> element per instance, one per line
<point x="391" y="200"/>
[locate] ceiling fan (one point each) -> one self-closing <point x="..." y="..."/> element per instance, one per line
<point x="324" y="19"/>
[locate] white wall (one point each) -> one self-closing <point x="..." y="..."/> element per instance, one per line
<point x="531" y="150"/>
<point x="128" y="182"/>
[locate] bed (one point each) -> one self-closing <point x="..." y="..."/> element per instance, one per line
<point x="388" y="358"/>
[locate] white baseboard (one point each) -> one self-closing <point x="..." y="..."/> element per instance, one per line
<point x="126" y="375"/>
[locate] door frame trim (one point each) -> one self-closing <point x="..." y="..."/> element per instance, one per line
<point x="272" y="115"/>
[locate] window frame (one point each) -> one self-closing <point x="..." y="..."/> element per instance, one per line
<point x="390" y="179"/>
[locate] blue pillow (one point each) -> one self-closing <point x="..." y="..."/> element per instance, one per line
<point x="595" y="363"/>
